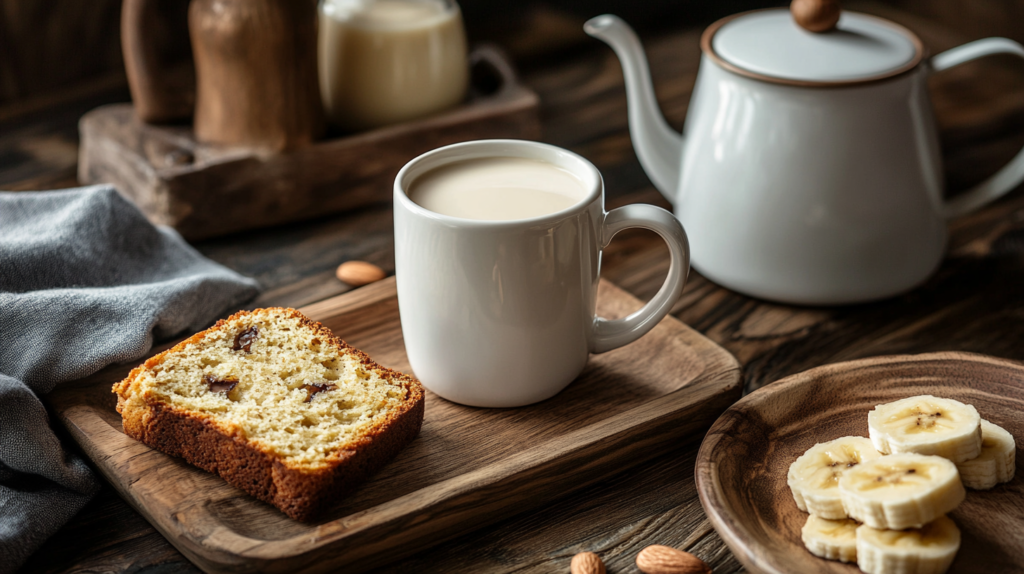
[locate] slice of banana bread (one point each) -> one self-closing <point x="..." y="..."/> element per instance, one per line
<point x="275" y="404"/>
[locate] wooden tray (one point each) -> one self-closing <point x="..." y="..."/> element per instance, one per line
<point x="204" y="190"/>
<point x="468" y="467"/>
<point x="743" y="462"/>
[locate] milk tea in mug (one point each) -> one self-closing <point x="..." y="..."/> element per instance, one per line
<point x="498" y="189"/>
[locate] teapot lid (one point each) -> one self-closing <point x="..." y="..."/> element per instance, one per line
<point x="778" y="46"/>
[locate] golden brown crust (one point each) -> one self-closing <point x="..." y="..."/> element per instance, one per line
<point x="301" y="493"/>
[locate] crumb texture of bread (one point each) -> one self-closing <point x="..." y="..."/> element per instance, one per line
<point x="275" y="404"/>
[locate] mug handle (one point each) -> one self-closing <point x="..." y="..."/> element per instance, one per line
<point x="1012" y="173"/>
<point x="612" y="334"/>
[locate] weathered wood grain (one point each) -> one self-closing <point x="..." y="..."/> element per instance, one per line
<point x="744" y="460"/>
<point x="574" y="525"/>
<point x="49" y="46"/>
<point x="973" y="18"/>
<point x="468" y="467"/>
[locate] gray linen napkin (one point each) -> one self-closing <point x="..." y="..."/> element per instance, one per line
<point x="85" y="281"/>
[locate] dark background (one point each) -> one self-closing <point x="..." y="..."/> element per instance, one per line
<point x="61" y="58"/>
<point x="52" y="49"/>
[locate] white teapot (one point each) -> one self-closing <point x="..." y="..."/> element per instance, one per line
<point x="809" y="169"/>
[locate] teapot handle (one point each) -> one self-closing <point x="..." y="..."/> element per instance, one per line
<point x="1012" y="173"/>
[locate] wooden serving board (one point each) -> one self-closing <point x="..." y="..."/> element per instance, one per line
<point x="205" y="190"/>
<point x="468" y="467"/>
<point x="743" y="462"/>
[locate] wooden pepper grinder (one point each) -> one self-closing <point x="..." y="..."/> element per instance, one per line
<point x="158" y="59"/>
<point x="816" y="15"/>
<point x="256" y="73"/>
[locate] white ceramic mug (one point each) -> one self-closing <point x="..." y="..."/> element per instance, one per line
<point x="501" y="313"/>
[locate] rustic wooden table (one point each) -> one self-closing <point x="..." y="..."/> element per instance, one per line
<point x="974" y="302"/>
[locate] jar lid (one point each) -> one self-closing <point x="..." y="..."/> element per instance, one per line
<point x="769" y="45"/>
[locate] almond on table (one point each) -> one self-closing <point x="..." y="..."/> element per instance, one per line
<point x="586" y="563"/>
<point x="359" y="273"/>
<point x="659" y="559"/>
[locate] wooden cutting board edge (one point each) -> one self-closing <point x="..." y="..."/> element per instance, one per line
<point x="454" y="505"/>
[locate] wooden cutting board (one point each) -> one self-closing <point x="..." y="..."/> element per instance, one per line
<point x="468" y="467"/>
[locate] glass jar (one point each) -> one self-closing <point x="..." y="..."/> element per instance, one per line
<point x="388" y="61"/>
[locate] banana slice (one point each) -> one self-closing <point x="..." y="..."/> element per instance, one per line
<point x="926" y="550"/>
<point x="901" y="490"/>
<point x="926" y="425"/>
<point x="814" y="477"/>
<point x="995" y="464"/>
<point x="832" y="539"/>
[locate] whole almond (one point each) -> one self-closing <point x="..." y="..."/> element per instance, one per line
<point x="658" y="559"/>
<point x="358" y="273"/>
<point x="586" y="563"/>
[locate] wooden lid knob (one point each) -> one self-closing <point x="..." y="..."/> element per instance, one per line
<point x="816" y="15"/>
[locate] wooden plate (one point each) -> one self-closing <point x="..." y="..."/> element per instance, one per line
<point x="742" y="464"/>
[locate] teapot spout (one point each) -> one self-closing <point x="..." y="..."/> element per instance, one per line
<point x="657" y="145"/>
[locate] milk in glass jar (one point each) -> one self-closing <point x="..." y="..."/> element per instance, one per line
<point x="388" y="61"/>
